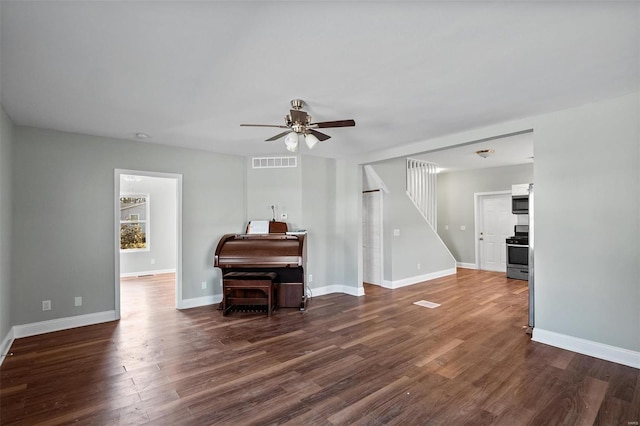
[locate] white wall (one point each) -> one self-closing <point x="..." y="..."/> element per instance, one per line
<point x="456" y="203"/>
<point x="161" y="255"/>
<point x="6" y="143"/>
<point x="63" y="189"/>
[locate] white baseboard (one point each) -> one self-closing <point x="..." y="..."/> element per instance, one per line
<point x="6" y="345"/>
<point x="467" y="265"/>
<point x="142" y="273"/>
<point x="418" y="279"/>
<point x="337" y="288"/>
<point x="588" y="347"/>
<point x="33" y="329"/>
<point x="200" y="301"/>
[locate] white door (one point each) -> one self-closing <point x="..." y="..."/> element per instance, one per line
<point x="495" y="225"/>
<point x="372" y="237"/>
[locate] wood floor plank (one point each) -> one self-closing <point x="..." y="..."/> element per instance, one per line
<point x="377" y="359"/>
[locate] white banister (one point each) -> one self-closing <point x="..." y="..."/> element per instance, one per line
<point x="422" y="187"/>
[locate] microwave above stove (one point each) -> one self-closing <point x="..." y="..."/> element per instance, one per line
<point x="520" y="199"/>
<point x="520" y="204"/>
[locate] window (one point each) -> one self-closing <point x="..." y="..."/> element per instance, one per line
<point x="134" y="222"/>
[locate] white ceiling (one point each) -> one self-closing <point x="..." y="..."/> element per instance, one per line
<point x="510" y="150"/>
<point x="188" y="73"/>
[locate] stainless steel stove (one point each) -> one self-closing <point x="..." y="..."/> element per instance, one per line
<point x="518" y="253"/>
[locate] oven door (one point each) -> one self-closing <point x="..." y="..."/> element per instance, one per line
<point x="517" y="256"/>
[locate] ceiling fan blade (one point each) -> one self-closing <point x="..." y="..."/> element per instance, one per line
<point x="317" y="134"/>
<point x="264" y="125"/>
<point x="298" y="116"/>
<point x="338" y="123"/>
<point x="278" y="136"/>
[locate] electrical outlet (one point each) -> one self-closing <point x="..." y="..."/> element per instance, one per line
<point x="283" y="216"/>
<point x="46" y="305"/>
<point x="77" y="301"/>
<point x="418" y="266"/>
<point x="446" y="227"/>
<point x="463" y="228"/>
<point x="204" y="285"/>
<point x="396" y="232"/>
<point x="153" y="261"/>
<point x="310" y="278"/>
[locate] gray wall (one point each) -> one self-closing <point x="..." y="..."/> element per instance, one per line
<point x="347" y="242"/>
<point x="417" y="242"/>
<point x="307" y="194"/>
<point x="455" y="203"/>
<point x="277" y="186"/>
<point x="162" y="226"/>
<point x="63" y="195"/>
<point x="6" y="143"/>
<point x="318" y="202"/>
<point x="587" y="214"/>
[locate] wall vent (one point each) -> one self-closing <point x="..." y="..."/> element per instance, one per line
<point x="274" y="162"/>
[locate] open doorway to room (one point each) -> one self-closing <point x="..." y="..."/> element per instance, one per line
<point x="148" y="242"/>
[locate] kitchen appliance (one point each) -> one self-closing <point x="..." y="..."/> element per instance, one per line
<point x="520" y="198"/>
<point x="518" y="253"/>
<point x="531" y="261"/>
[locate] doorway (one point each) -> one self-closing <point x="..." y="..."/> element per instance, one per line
<point x="159" y="230"/>
<point x="372" y="259"/>
<point x="494" y="223"/>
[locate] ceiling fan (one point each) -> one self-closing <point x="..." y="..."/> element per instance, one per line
<point x="297" y="123"/>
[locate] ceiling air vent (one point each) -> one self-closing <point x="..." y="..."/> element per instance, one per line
<point x="274" y="162"/>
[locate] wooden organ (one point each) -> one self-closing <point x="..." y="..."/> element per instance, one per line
<point x="257" y="257"/>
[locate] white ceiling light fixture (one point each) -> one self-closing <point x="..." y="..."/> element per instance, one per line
<point x="141" y="135"/>
<point x="291" y="141"/>
<point x="484" y="153"/>
<point x="310" y="140"/>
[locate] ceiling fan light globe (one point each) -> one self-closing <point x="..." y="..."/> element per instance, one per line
<point x="310" y="140"/>
<point x="291" y="141"/>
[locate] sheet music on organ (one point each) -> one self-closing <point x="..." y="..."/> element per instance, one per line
<point x="258" y="227"/>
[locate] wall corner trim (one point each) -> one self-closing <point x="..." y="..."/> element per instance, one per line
<point x="6" y="345"/>
<point x="58" y="324"/>
<point x="588" y="347"/>
<point x="196" y="302"/>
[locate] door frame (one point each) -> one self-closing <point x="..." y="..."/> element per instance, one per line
<point x="116" y="226"/>
<point x="380" y="230"/>
<point x="476" y="218"/>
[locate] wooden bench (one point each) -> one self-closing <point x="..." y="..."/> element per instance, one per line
<point x="248" y="289"/>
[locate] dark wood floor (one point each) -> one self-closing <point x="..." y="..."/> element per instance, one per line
<point x="377" y="359"/>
